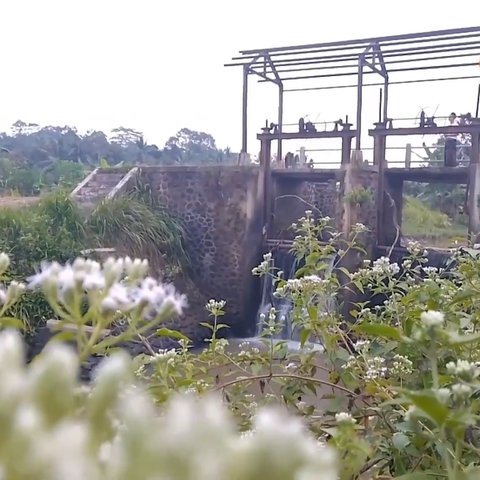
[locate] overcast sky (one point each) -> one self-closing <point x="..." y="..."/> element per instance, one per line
<point x="157" y="65"/>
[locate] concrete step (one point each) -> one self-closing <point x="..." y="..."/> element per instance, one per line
<point x="98" y="185"/>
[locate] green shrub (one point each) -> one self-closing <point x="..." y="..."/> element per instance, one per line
<point x="54" y="230"/>
<point x="51" y="230"/>
<point x="396" y="394"/>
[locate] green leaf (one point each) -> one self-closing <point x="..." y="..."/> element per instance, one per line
<point x="456" y="339"/>
<point x="304" y="334"/>
<point x="222" y="325"/>
<point x="428" y="403"/>
<point x="312" y="312"/>
<point x="344" y="271"/>
<point x="11" y="322"/>
<point x="312" y="258"/>
<point x="359" y="286"/>
<point x="380" y="330"/>
<point x="206" y="325"/>
<point x="462" y="295"/>
<point x="167" y="332"/>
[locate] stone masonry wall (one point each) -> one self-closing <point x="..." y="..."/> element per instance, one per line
<point x="221" y="208"/>
<point x="292" y="197"/>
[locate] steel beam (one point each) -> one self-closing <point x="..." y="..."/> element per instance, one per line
<point x="377" y="84"/>
<point x="395" y="52"/>
<point x="365" y="41"/>
<point x="393" y="70"/>
<point x="392" y="132"/>
<point x="306" y="136"/>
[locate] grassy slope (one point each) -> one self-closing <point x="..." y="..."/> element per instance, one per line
<point x="424" y="223"/>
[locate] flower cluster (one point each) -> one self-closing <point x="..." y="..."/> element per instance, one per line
<point x="359" y="228"/>
<point x="165" y="356"/>
<point x="114" y="431"/>
<point x="375" y="368"/>
<point x="380" y="269"/>
<point x="463" y="369"/>
<point x="345" y="418"/>
<point x="119" y="285"/>
<point x="264" y="267"/>
<point x="9" y="296"/>
<point x="310" y="284"/>
<point x="432" y="318"/>
<point x="401" y="366"/>
<point x="382" y="266"/>
<point x="215" y="307"/>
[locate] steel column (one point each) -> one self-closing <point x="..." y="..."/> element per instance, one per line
<point x="265" y="164"/>
<point x="385" y="100"/>
<point x="358" y="126"/>
<point x="245" y="110"/>
<point x="280" y="121"/>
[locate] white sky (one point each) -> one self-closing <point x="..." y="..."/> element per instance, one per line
<point x="157" y="66"/>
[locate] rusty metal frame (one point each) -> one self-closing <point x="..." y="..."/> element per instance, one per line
<point x="373" y="56"/>
<point x="369" y="58"/>
<point x="248" y="70"/>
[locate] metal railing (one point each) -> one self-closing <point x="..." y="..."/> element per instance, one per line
<point x="414" y="156"/>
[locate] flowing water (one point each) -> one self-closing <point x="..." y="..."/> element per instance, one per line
<point x="289" y="264"/>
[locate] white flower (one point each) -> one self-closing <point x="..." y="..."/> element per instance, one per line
<point x="264" y="266"/>
<point x="94" y="281"/>
<point x="214" y="306"/>
<point x="401" y="366"/>
<point x="291" y="366"/>
<point x="4" y="262"/>
<point x="362" y="345"/>
<point x="359" y="228"/>
<point x="463" y="368"/>
<point x="345" y="418"/>
<point x="432" y="318"/>
<point x="414" y="247"/>
<point x="135" y="268"/>
<point x="430" y="270"/>
<point x="443" y="394"/>
<point x="117" y="299"/>
<point x="382" y="266"/>
<point x="167" y="356"/>
<point x="375" y="368"/>
<point x="461" y="390"/>
<point x="3" y="296"/>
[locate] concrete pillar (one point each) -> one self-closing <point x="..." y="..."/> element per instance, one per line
<point x="303" y="157"/>
<point x="473" y="200"/>
<point x="351" y="212"/>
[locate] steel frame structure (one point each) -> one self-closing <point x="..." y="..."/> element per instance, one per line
<point x="412" y="52"/>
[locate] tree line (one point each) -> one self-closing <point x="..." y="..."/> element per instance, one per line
<point x="33" y="157"/>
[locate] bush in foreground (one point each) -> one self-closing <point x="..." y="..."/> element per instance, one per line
<point x="53" y="428"/>
<point x="395" y="394"/>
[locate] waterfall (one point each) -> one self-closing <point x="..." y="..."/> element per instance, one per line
<point x="288" y="264"/>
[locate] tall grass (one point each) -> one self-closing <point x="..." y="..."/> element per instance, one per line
<point x="131" y="226"/>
